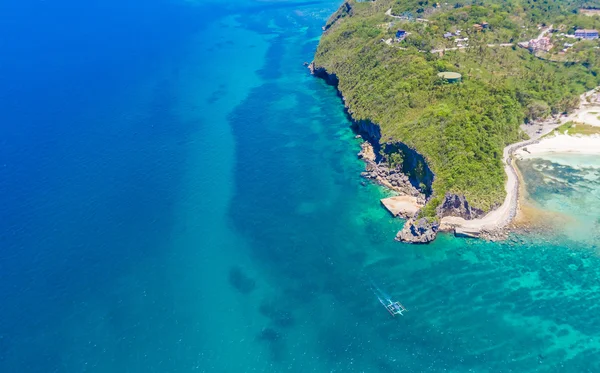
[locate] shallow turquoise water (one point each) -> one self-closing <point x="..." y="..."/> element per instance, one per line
<point x="209" y="216"/>
<point x="566" y="188"/>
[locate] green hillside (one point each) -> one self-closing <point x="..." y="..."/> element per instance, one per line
<point x="461" y="128"/>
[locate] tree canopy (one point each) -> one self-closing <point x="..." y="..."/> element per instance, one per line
<point x="461" y="128"/>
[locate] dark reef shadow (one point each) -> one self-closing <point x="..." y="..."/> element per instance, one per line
<point x="240" y="281"/>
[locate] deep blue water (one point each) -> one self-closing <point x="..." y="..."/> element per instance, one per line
<point x="178" y="194"/>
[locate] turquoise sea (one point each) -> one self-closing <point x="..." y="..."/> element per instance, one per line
<point x="178" y="194"/>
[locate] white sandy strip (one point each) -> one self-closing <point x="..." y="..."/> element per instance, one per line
<point x="563" y="144"/>
<point x="589" y="116"/>
<point x="500" y="216"/>
<point x="506" y="212"/>
<point x="406" y="206"/>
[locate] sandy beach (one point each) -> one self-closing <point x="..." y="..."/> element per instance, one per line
<point x="560" y="143"/>
<point x="499" y="217"/>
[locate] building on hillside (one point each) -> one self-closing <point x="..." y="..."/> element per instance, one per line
<point x="400" y="35"/>
<point x="448" y="35"/>
<point x="485" y="25"/>
<point x="540" y="44"/>
<point x="586" y="34"/>
<point x="477" y="27"/>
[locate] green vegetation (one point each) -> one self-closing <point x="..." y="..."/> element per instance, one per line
<point x="461" y="128"/>
<point x="572" y="128"/>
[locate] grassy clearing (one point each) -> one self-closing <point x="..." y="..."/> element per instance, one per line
<point x="573" y="128"/>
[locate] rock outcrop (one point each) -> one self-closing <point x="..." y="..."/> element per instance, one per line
<point x="390" y="178"/>
<point x="367" y="152"/>
<point x="455" y="205"/>
<point x="320" y="72"/>
<point x="418" y="231"/>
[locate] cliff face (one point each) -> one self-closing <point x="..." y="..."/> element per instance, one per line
<point x="320" y="72"/>
<point x="407" y="178"/>
<point x="344" y="11"/>
<point x="455" y="205"/>
<point x="414" y="165"/>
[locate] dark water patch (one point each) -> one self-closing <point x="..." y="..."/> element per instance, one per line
<point x="241" y="281"/>
<point x="273" y="69"/>
<point x="274" y="342"/>
<point x="278" y="311"/>
<point x="269" y="335"/>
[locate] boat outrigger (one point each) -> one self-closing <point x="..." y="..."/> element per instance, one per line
<point x="394" y="308"/>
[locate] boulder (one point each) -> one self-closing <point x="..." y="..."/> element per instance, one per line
<point x="418" y="231"/>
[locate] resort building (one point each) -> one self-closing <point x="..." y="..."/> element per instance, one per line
<point x="586" y="34"/>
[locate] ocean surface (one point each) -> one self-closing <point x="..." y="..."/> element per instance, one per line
<point x="178" y="194"/>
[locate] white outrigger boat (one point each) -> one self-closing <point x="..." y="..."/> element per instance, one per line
<point x="394" y="308"/>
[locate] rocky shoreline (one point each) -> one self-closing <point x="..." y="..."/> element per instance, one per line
<point x="390" y="177"/>
<point x="454" y="208"/>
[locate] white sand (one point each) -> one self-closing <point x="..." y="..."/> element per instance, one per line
<point x="498" y="217"/>
<point x="505" y="213"/>
<point x="563" y="144"/>
<point x="502" y="216"/>
<point x="589" y="116"/>
<point x="405" y="206"/>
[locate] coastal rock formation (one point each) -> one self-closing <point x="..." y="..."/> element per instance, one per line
<point x="371" y="131"/>
<point x="412" y="163"/>
<point x="344" y="11"/>
<point x="366" y="152"/>
<point x="320" y="72"/>
<point x="390" y="178"/>
<point x="455" y="205"/>
<point x="418" y="231"/>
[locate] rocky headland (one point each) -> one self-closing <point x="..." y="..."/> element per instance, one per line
<point x="396" y="178"/>
<point x="454" y="214"/>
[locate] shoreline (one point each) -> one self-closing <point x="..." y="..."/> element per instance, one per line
<point x="501" y="217"/>
<point x="562" y="144"/>
<point x="494" y="224"/>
